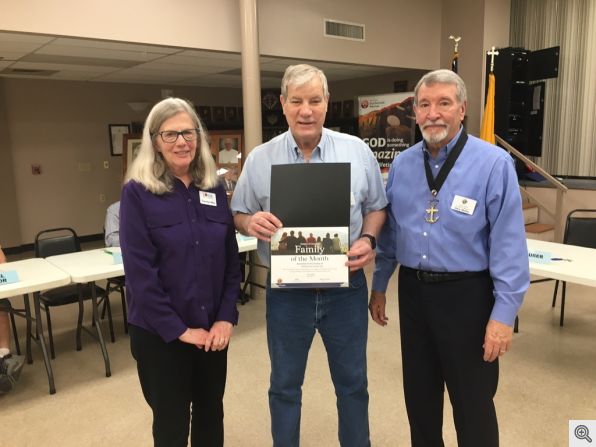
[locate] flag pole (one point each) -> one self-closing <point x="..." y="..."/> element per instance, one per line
<point x="487" y="130"/>
<point x="455" y="60"/>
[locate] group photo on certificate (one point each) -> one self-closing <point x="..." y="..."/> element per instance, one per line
<point x="310" y="257"/>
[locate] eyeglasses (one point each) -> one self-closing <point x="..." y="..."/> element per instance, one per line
<point x="170" y="136"/>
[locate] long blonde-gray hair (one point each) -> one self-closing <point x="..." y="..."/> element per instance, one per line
<point x="149" y="167"/>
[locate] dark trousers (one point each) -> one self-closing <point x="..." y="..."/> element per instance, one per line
<point x="442" y="329"/>
<point x="176" y="377"/>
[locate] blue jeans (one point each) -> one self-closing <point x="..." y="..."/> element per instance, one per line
<point x="341" y="317"/>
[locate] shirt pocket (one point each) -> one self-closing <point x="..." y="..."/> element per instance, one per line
<point x="163" y="219"/>
<point x="217" y="222"/>
<point x="165" y="227"/>
<point x="466" y="224"/>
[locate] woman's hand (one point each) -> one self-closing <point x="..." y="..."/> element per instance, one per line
<point x="219" y="336"/>
<point x="195" y="337"/>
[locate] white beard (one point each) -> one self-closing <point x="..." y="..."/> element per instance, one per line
<point x="435" y="137"/>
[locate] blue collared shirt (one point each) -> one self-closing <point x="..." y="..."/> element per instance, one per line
<point x="252" y="193"/>
<point x="180" y="259"/>
<point x="491" y="237"/>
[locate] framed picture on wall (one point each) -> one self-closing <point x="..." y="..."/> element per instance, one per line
<point x="131" y="143"/>
<point x="116" y="132"/>
<point x="227" y="147"/>
<point x="205" y="114"/>
<point x="218" y="114"/>
<point x="348" y="108"/>
<point x="335" y="109"/>
<point x="231" y="115"/>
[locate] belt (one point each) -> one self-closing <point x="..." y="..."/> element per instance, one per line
<point x="435" y="277"/>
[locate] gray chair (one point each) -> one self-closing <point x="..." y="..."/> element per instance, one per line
<point x="58" y="241"/>
<point x="581" y="231"/>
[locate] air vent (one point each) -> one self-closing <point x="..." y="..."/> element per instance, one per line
<point x="27" y="72"/>
<point x="344" y="30"/>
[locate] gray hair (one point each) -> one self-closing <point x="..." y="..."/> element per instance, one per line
<point x="443" y="76"/>
<point x="149" y="167"/>
<point x="301" y="74"/>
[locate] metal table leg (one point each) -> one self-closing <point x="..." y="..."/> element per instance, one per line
<point x="27" y="307"/>
<point x="42" y="342"/>
<point x="102" y="343"/>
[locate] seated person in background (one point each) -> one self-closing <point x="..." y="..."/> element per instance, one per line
<point x="10" y="365"/>
<point x="112" y="225"/>
<point x="229" y="179"/>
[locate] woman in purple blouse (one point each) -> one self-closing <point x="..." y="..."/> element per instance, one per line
<point x="182" y="276"/>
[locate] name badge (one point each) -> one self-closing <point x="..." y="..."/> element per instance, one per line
<point x="352" y="199"/>
<point x="8" y="277"/>
<point x="207" y="198"/>
<point x="463" y="205"/>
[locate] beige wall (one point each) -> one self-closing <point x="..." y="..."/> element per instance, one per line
<point x="481" y="24"/>
<point x="10" y="231"/>
<point x="59" y="124"/>
<point x="464" y="18"/>
<point x="399" y="33"/>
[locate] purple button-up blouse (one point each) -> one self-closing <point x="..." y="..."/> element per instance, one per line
<point x="180" y="259"/>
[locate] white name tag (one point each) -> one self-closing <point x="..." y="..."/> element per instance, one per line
<point x="463" y="205"/>
<point x="352" y="199"/>
<point x="207" y="198"/>
<point x="9" y="277"/>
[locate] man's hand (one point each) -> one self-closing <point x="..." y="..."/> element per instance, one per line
<point x="261" y="225"/>
<point x="376" y="305"/>
<point x="360" y="254"/>
<point x="219" y="336"/>
<point x="195" y="337"/>
<point x="497" y="340"/>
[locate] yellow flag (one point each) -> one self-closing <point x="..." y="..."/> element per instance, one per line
<point x="487" y="132"/>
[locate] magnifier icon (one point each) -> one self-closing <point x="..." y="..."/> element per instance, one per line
<point x="582" y="432"/>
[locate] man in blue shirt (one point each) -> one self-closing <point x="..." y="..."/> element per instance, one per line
<point x="112" y="225"/>
<point x="293" y="315"/>
<point x="455" y="226"/>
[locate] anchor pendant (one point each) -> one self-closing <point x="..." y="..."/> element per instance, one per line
<point x="432" y="212"/>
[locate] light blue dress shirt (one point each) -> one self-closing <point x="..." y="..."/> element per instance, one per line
<point x="491" y="237"/>
<point x="112" y="225"/>
<point x="252" y="193"/>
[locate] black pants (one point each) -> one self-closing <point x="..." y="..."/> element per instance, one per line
<point x="175" y="376"/>
<point x="442" y="332"/>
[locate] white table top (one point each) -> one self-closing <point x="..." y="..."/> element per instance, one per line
<point x="35" y="274"/>
<point x="89" y="265"/>
<point x="246" y="243"/>
<point x="581" y="269"/>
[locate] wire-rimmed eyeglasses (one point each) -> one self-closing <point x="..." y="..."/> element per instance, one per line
<point x="170" y="136"/>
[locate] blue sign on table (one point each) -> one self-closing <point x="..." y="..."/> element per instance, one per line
<point x="8" y="277"/>
<point x="540" y="257"/>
